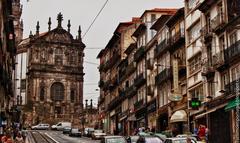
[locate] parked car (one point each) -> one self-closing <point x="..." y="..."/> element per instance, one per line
<point x="113" y="139"/>
<point x="61" y="125"/>
<point x="98" y="134"/>
<point x="179" y="140"/>
<point x="132" y="139"/>
<point x="66" y="130"/>
<point x="88" y="132"/>
<point x="75" y="133"/>
<point x="161" y="136"/>
<point x="149" y="139"/>
<point x="40" y="127"/>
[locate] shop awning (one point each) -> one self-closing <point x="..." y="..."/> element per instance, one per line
<point x="232" y="104"/>
<point x="179" y="116"/>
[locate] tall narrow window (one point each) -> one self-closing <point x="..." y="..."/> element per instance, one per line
<point x="58" y="56"/>
<point x="42" y="93"/>
<point x="72" y="96"/>
<point x="57" y="91"/>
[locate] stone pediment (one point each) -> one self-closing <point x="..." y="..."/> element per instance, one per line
<point x="58" y="35"/>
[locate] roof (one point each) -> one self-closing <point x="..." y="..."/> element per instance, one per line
<point x="160" y="22"/>
<point x="160" y="10"/>
<point x="175" y="17"/>
<point x="140" y="28"/>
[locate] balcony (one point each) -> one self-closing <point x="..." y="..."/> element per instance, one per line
<point x="160" y="48"/>
<point x="207" y="34"/>
<point x="208" y="69"/>
<point x="150" y="90"/>
<point x="217" y="22"/>
<point x="177" y="39"/>
<point x="131" y="68"/>
<point x="139" y="54"/>
<point x="112" y="61"/>
<point x="113" y="83"/>
<point x="150" y="64"/>
<point x="218" y="60"/>
<point x="138" y="104"/>
<point x="106" y="85"/>
<point x="231" y="88"/>
<point x="163" y="76"/>
<point x="232" y="53"/>
<point x="139" y="80"/>
<point x="131" y="91"/>
<point x="115" y="102"/>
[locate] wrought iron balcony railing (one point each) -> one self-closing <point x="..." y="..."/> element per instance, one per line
<point x="163" y="76"/>
<point x="138" y="104"/>
<point x="139" y="54"/>
<point x="139" y="80"/>
<point x="160" y="48"/>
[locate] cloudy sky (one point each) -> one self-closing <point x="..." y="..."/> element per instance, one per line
<point x="82" y="12"/>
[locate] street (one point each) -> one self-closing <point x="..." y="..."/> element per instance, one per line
<point x="58" y="137"/>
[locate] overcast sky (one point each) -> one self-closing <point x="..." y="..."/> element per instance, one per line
<point x="82" y="12"/>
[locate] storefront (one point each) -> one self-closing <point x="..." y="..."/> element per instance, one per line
<point x="179" y="122"/>
<point x="141" y="117"/>
<point x="131" y="124"/>
<point x="123" y="120"/>
<point x="151" y="111"/>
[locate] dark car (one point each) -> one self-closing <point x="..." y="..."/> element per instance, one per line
<point x="149" y="139"/>
<point x="75" y="133"/>
<point x="113" y="139"/>
<point x="66" y="130"/>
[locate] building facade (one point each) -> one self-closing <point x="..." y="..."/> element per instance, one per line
<point x="7" y="63"/>
<point x="55" y="75"/>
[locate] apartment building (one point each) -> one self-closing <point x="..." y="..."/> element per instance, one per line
<point x="212" y="40"/>
<point x="113" y="104"/>
<point x="144" y="34"/>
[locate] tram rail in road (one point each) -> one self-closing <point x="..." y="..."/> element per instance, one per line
<point x="39" y="137"/>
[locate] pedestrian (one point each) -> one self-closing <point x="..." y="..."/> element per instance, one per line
<point x="201" y="132"/>
<point x="19" y="138"/>
<point x="189" y="140"/>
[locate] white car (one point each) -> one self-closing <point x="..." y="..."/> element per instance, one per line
<point x="61" y="125"/>
<point x="98" y="134"/>
<point x="40" y="127"/>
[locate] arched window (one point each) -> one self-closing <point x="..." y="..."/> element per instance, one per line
<point x="72" y="95"/>
<point x="42" y="93"/>
<point x="57" y="91"/>
<point x="58" y="56"/>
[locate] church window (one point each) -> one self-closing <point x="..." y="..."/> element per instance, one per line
<point x="57" y="91"/>
<point x="58" y="56"/>
<point x="72" y="96"/>
<point x="42" y="92"/>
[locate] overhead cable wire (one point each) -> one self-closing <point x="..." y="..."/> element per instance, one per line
<point x="95" y="19"/>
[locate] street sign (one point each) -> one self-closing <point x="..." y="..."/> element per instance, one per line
<point x="175" y="97"/>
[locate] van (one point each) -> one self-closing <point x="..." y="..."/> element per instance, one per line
<point x="61" y="125"/>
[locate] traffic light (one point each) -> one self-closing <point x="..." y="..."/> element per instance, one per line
<point x="195" y="103"/>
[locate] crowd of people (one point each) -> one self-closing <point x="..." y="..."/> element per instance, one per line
<point x="12" y="135"/>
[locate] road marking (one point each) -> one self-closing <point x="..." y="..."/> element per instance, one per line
<point x="51" y="138"/>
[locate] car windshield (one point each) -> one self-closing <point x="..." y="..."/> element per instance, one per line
<point x="153" y="140"/>
<point x="116" y="140"/>
<point x="98" y="131"/>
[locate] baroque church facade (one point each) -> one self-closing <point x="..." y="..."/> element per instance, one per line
<point x="55" y="75"/>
